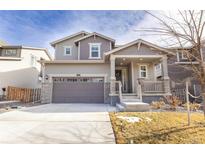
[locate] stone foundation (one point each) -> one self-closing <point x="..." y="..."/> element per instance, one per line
<point x="150" y="99"/>
<point x="106" y="93"/>
<point x="114" y="100"/>
<point x="46" y="93"/>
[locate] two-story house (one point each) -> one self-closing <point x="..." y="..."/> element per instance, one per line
<point x="91" y="68"/>
<point x="180" y="70"/>
<point x="19" y="66"/>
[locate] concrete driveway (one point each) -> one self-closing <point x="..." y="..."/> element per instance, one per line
<point x="58" y="123"/>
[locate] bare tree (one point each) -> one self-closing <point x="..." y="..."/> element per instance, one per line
<point x="184" y="31"/>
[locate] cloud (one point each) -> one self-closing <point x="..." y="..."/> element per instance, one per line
<point x="39" y="28"/>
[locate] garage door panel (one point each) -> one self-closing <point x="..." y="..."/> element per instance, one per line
<point x="78" y="92"/>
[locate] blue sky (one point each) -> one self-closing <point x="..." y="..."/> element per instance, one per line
<point x="39" y="28"/>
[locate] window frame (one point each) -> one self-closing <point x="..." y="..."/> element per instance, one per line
<point x="158" y="69"/>
<point x="33" y="61"/>
<point x="65" y="47"/>
<point x="140" y="75"/>
<point x="99" y="50"/>
<point x="11" y="51"/>
<point x="183" y="57"/>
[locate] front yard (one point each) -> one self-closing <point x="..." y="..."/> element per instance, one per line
<point x="158" y="127"/>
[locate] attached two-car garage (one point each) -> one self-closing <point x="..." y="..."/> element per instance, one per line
<point x="78" y="90"/>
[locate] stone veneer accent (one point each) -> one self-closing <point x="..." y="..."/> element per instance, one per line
<point x="106" y="93"/>
<point x="46" y="92"/>
<point x="114" y="100"/>
<point x="167" y="86"/>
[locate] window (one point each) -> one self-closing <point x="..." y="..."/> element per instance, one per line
<point x="11" y="52"/>
<point x="158" y="70"/>
<point x="33" y="60"/>
<point x="94" y="50"/>
<point x="67" y="50"/>
<point x="143" y="71"/>
<point x="183" y="55"/>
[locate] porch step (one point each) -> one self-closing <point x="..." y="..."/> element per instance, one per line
<point x="128" y="94"/>
<point x="133" y="107"/>
<point x="133" y="96"/>
<point x="131" y="100"/>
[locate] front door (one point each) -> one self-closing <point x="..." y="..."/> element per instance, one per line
<point x="122" y="75"/>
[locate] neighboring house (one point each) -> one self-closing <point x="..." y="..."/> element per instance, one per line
<point x="180" y="71"/>
<point x="19" y="66"/>
<point x="88" y="67"/>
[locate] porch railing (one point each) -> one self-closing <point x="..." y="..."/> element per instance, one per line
<point x="118" y="89"/>
<point x="152" y="86"/>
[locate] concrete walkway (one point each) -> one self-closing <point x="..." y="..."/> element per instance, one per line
<point x="58" y="123"/>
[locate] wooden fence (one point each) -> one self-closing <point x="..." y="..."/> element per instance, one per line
<point x="25" y="95"/>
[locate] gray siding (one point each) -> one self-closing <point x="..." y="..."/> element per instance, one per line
<point x="85" y="48"/>
<point x="67" y="69"/>
<point x="203" y="52"/>
<point x="59" y="49"/>
<point x="133" y="50"/>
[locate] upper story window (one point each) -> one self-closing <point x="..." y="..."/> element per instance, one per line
<point x="67" y="50"/>
<point x="33" y="60"/>
<point x="10" y="52"/>
<point x="184" y="56"/>
<point x="95" y="50"/>
<point x="143" y="71"/>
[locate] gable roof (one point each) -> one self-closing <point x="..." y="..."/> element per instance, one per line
<point x="68" y="37"/>
<point x="93" y="34"/>
<point x="139" y="41"/>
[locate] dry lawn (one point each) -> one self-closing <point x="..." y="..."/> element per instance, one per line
<point x="164" y="128"/>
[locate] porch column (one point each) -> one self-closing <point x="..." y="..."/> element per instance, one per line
<point x="164" y="67"/>
<point x="165" y="75"/>
<point x="112" y="74"/>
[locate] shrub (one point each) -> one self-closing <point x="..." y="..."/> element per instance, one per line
<point x="193" y="106"/>
<point x="173" y="101"/>
<point x="157" y="104"/>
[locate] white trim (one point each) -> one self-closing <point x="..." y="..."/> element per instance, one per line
<point x="81" y="75"/>
<point x="11" y="58"/>
<point x="156" y="94"/>
<point x="72" y="61"/>
<point x="65" y="47"/>
<point x="140" y="71"/>
<point x="99" y="50"/>
<point x="137" y="56"/>
<point x="178" y="59"/>
<point x="95" y="34"/>
<point x="138" y="46"/>
<point x="68" y="37"/>
<point x="140" y="41"/>
<point x="132" y="73"/>
<point x="110" y="45"/>
<point x="43" y="72"/>
<point x="79" y="51"/>
<point x="187" y="63"/>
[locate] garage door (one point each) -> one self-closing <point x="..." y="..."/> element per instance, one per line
<point x="78" y="90"/>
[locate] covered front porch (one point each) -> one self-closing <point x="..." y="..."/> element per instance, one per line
<point x="140" y="75"/>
